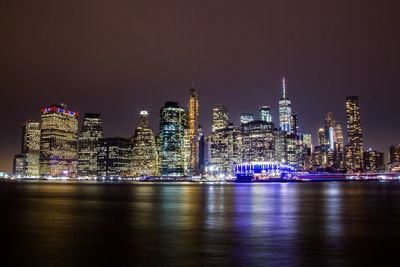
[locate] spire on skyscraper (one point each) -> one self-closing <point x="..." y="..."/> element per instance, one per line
<point x="284" y="87"/>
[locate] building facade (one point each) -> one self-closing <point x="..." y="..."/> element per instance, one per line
<point x="373" y="160"/>
<point x="30" y="148"/>
<point x="92" y="131"/>
<point x="114" y="157"/>
<point x="258" y="141"/>
<point x="354" y="132"/>
<point x="285" y="111"/>
<point x="193" y="127"/>
<point x="220" y="118"/>
<point x="394" y="153"/>
<point x="173" y="124"/>
<point x="58" y="141"/>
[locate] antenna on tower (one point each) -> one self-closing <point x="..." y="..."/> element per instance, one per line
<point x="284" y="87"/>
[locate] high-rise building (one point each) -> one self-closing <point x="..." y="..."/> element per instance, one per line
<point x="322" y="139"/>
<point x="92" y="131"/>
<point x="285" y="111"/>
<point x="281" y="146"/>
<point x="373" y="160"/>
<point x="246" y="118"/>
<point x="202" y="151"/>
<point x="113" y="157"/>
<point x="226" y="151"/>
<point x="265" y="114"/>
<point x="258" y="141"/>
<point x="18" y="165"/>
<point x="58" y="141"/>
<point x="294" y="122"/>
<point x="144" y="149"/>
<point x="394" y="153"/>
<point x="172" y="133"/>
<point x="193" y="127"/>
<point x="355" y="138"/>
<point x="335" y="141"/>
<point x="220" y="118"/>
<point x="31" y="148"/>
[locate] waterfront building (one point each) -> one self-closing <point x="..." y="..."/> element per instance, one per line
<point x="144" y="149"/>
<point x="394" y="154"/>
<point x="226" y="151"/>
<point x="373" y="160"/>
<point x="58" y="141"/>
<point x="285" y="111"/>
<point x="193" y="127"/>
<point x="202" y="151"/>
<point x="294" y="122"/>
<point x="18" y="165"/>
<point x="265" y="114"/>
<point x="258" y="141"/>
<point x="292" y="150"/>
<point x="220" y="118"/>
<point x="281" y="146"/>
<point x="113" y="157"/>
<point x="92" y="131"/>
<point x="30" y="148"/>
<point x="354" y="132"/>
<point x="172" y="139"/>
<point x="246" y="118"/>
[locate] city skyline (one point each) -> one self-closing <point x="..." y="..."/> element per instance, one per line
<point x="275" y="119"/>
<point x="119" y="59"/>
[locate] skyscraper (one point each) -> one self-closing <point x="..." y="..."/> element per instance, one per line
<point x="18" y="165"/>
<point x="226" y="150"/>
<point x="220" y="118"/>
<point x="113" y="157"/>
<point x="394" y="153"/>
<point x="355" y="138"/>
<point x="265" y="114"/>
<point x="258" y="141"/>
<point x="334" y="137"/>
<point x="58" y="141"/>
<point x="285" y="111"/>
<point x="193" y="126"/>
<point x="144" y="149"/>
<point x="172" y="133"/>
<point x="246" y="118"/>
<point x="31" y="148"/>
<point x="373" y="160"/>
<point x="92" y="131"/>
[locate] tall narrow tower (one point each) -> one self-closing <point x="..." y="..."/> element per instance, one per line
<point x="285" y="111"/>
<point x="355" y="138"/>
<point x="193" y="125"/>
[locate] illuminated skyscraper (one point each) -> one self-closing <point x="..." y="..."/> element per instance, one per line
<point x="220" y="118"/>
<point x="172" y="133"/>
<point x="285" y="111"/>
<point x="294" y="122"/>
<point x="144" y="149"/>
<point x="246" y="118"/>
<point x="334" y="137"/>
<point x="18" y="165"/>
<point x="281" y="146"/>
<point x="58" y="141"/>
<point x="202" y="150"/>
<point x="394" y="153"/>
<point x="226" y="151"/>
<point x="373" y="160"/>
<point x="114" y="157"/>
<point x="92" y="131"/>
<point x="265" y="114"/>
<point x="31" y="148"/>
<point x="193" y="126"/>
<point x="355" y="138"/>
<point x="258" y="141"/>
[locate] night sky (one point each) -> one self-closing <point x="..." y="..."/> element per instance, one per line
<point x="116" y="57"/>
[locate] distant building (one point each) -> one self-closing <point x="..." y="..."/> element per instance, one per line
<point x="220" y="118"/>
<point x="354" y="132"/>
<point x="18" y="165"/>
<point x="394" y="153"/>
<point x="226" y="150"/>
<point x="258" y="141"/>
<point x="30" y="148"/>
<point x="281" y="146"/>
<point x="113" y="157"/>
<point x="58" y="141"/>
<point x="285" y="111"/>
<point x="173" y="124"/>
<point x="246" y="118"/>
<point x="373" y="160"/>
<point x="193" y="127"/>
<point x="92" y="131"/>
<point x="265" y="114"/>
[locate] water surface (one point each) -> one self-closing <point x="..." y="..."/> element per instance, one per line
<point x="298" y="224"/>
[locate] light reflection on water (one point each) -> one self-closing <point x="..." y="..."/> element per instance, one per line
<point x="200" y="225"/>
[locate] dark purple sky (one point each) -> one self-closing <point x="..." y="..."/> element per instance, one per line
<point x="115" y="57"/>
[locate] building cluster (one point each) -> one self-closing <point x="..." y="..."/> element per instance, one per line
<point x="54" y="147"/>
